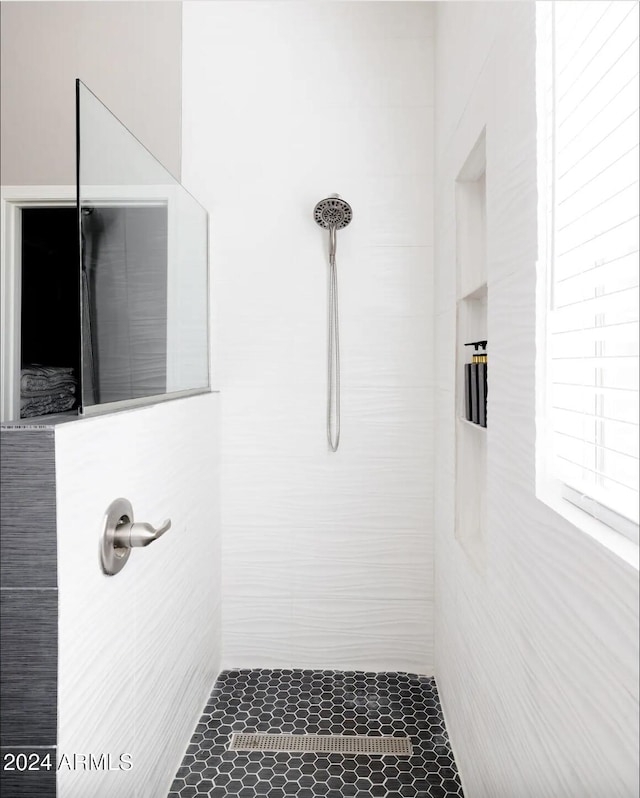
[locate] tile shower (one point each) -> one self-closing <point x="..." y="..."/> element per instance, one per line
<point x="300" y="592"/>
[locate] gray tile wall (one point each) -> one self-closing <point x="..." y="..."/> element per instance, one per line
<point x="28" y="509"/>
<point x="28" y="659"/>
<point x="37" y="782"/>
<point x="28" y="612"/>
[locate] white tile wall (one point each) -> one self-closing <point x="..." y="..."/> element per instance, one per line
<point x="370" y="635"/>
<point x="327" y="557"/>
<point x="537" y="660"/>
<point x="138" y="651"/>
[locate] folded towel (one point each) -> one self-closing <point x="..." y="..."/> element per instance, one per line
<point x="36" y="380"/>
<point x="46" y="371"/>
<point x="45" y="405"/>
<point x="37" y="386"/>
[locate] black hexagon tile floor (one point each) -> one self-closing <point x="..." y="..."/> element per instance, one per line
<point x="319" y="702"/>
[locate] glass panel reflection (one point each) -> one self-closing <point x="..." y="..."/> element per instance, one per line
<point x="144" y="271"/>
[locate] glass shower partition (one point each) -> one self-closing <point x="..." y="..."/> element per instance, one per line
<point x="143" y="270"/>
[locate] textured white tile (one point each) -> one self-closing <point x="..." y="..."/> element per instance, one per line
<point x="362" y="635"/>
<point x="386" y="421"/>
<point x="511" y="402"/>
<point x="378" y="72"/>
<point x="270" y="354"/>
<point x="395" y="211"/>
<point x="266" y="222"/>
<point x="284" y="340"/>
<point x="387" y="351"/>
<point x="257" y="561"/>
<point x="139" y="651"/>
<point x="332" y="633"/>
<point x="445" y="348"/>
<point x="364" y="141"/>
<point x="387" y="281"/>
<point x="376" y="420"/>
<point x="280" y="421"/>
<point x="295" y="288"/>
<point x="324" y="73"/>
<point x="351" y="563"/>
<point x="331" y="490"/>
<point x="346" y="562"/>
<point x="359" y="123"/>
<point x="459" y="76"/>
<point x="257" y="634"/>
<point x="537" y="658"/>
<point x="304" y="100"/>
<point x="243" y="70"/>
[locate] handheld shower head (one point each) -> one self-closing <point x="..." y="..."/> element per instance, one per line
<point x="333" y="214"/>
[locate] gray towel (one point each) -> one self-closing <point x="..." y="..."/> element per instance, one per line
<point x="40" y="386"/>
<point x="36" y="380"/>
<point x="45" y="405"/>
<point x="46" y="371"/>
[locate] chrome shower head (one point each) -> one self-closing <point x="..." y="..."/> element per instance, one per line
<point x="332" y="212"/>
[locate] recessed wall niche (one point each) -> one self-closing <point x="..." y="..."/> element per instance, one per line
<point x="471" y="325"/>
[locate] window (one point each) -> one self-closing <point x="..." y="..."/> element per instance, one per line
<point x="589" y="60"/>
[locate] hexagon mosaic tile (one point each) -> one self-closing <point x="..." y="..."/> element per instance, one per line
<point x="319" y="702"/>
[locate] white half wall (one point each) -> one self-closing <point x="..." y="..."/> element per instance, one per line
<point x="536" y="653"/>
<point x="327" y="558"/>
<point x="139" y="652"/>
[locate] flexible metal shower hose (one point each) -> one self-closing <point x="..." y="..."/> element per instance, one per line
<point x="333" y="376"/>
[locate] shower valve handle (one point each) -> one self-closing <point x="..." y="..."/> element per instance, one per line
<point x="130" y="535"/>
<point x="120" y="534"/>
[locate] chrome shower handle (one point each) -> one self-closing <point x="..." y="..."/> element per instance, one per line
<point x="120" y="534"/>
<point x="129" y="535"/>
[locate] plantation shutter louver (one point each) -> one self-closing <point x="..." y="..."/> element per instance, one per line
<point x="593" y="321"/>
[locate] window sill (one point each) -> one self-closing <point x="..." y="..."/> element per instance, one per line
<point x="615" y="542"/>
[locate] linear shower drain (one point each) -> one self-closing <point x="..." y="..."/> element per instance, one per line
<point x="322" y="744"/>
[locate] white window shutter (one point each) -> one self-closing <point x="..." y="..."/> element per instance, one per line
<point x="593" y="321"/>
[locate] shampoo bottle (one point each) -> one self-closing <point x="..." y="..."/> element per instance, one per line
<point x="475" y="384"/>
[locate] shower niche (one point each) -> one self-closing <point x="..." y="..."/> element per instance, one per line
<point x="110" y="294"/>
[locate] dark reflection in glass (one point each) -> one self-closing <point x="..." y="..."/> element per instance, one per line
<point x="125" y="285"/>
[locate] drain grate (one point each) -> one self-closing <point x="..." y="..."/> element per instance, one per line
<point x="322" y="744"/>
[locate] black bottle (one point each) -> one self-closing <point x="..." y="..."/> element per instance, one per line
<point x="475" y="384"/>
<point x="467" y="392"/>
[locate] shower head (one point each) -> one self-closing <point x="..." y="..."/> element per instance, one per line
<point x="332" y="212"/>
